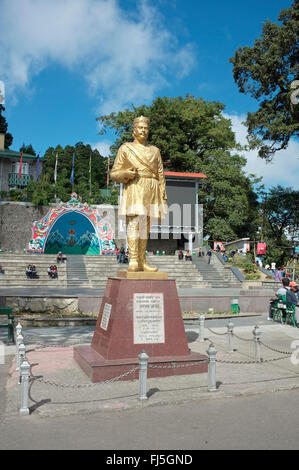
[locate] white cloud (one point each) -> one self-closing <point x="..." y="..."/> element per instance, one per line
<point x="124" y="58"/>
<point x="284" y="169"/>
<point x="103" y="147"/>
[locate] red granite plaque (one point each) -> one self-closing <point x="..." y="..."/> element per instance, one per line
<point x="136" y="315"/>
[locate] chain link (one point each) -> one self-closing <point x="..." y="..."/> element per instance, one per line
<point x="178" y="366"/>
<point x="242" y="339"/>
<point x="276" y="350"/>
<point x="90" y="385"/>
<point x="215" y="333"/>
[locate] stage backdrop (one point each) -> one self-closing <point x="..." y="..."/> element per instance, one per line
<point x="73" y="228"/>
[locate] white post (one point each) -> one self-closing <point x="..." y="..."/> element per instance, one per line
<point x="25" y="372"/>
<point x="20" y="340"/>
<point x="18" y="331"/>
<point x="201" y="328"/>
<point x="190" y="242"/>
<point x="22" y="357"/>
<point x="230" y="329"/>
<point x="257" y="336"/>
<point x="212" y="368"/>
<point x="143" y="361"/>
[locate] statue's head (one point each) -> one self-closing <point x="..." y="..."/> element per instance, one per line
<point x="141" y="128"/>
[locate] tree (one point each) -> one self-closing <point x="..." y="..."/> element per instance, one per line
<point x="193" y="136"/>
<point x="28" y="149"/>
<point x="268" y="72"/>
<point x="280" y="219"/>
<point x="3" y="129"/>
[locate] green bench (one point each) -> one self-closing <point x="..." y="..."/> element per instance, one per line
<point x="283" y="311"/>
<point x="9" y="324"/>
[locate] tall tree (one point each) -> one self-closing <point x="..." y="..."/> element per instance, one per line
<point x="193" y="136"/>
<point x="3" y="129"/>
<point x="269" y="72"/>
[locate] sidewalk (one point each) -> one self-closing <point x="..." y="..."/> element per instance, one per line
<point x="62" y="388"/>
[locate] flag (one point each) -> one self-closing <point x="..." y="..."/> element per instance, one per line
<point x="108" y="170"/>
<point x="55" y="171"/>
<point x="20" y="166"/>
<point x="37" y="167"/>
<point x="72" y="174"/>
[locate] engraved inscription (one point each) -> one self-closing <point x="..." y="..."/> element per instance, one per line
<point x="106" y="316"/>
<point x="149" y="318"/>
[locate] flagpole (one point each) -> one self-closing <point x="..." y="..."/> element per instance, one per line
<point x="55" y="173"/>
<point x="90" y="174"/>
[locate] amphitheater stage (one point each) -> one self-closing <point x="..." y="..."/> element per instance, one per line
<point x="75" y="300"/>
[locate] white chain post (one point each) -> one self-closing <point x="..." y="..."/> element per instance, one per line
<point x="22" y="357"/>
<point x="18" y="331"/>
<point x="143" y="361"/>
<point x="230" y="330"/>
<point x="25" y="373"/>
<point x="20" y="340"/>
<point x="257" y="336"/>
<point x="212" y="368"/>
<point x="201" y="328"/>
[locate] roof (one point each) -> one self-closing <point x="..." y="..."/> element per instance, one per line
<point x="7" y="153"/>
<point x="184" y="175"/>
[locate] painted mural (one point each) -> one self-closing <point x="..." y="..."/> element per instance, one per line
<point x="73" y="228"/>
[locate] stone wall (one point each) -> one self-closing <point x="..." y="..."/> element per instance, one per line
<point x="16" y="220"/>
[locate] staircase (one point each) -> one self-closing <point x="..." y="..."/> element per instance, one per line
<point x="15" y="265"/>
<point x="215" y="273"/>
<point x="90" y="271"/>
<point x="76" y="271"/>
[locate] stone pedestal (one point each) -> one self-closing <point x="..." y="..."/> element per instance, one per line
<point x="136" y="315"/>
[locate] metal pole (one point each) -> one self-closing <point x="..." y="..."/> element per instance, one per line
<point x="201" y="328"/>
<point x="22" y="357"/>
<point x="212" y="368"/>
<point x="230" y="331"/>
<point x="20" y="340"/>
<point x="143" y="361"/>
<point x="257" y="336"/>
<point x="25" y="372"/>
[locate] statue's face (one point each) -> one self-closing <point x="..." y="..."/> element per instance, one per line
<point x="141" y="130"/>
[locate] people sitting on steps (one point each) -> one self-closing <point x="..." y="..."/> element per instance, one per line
<point x="52" y="272"/>
<point x="188" y="256"/>
<point x="60" y="257"/>
<point x="31" y="272"/>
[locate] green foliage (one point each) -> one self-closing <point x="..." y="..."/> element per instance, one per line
<point x="250" y="270"/>
<point x="28" y="149"/>
<point x="193" y="136"/>
<point x="266" y="72"/>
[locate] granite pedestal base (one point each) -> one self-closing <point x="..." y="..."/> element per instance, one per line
<point x="136" y="315"/>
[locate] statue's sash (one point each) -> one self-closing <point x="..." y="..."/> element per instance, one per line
<point x="139" y="159"/>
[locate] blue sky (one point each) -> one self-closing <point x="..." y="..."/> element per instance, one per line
<point x="65" y="62"/>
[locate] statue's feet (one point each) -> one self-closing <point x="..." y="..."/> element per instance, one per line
<point x="149" y="269"/>
<point x="133" y="266"/>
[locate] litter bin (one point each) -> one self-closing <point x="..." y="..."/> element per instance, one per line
<point x="235" y="305"/>
<point x="158" y="253"/>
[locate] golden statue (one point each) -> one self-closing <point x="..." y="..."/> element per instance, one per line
<point x="139" y="166"/>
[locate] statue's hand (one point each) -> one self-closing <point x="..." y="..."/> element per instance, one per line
<point x="130" y="174"/>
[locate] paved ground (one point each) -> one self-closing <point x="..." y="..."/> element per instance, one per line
<point x="254" y="407"/>
<point x="61" y="388"/>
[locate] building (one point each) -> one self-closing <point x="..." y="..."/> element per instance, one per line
<point x="9" y="168"/>
<point x="183" y="226"/>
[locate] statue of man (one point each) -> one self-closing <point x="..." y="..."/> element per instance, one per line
<point x="139" y="166"/>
